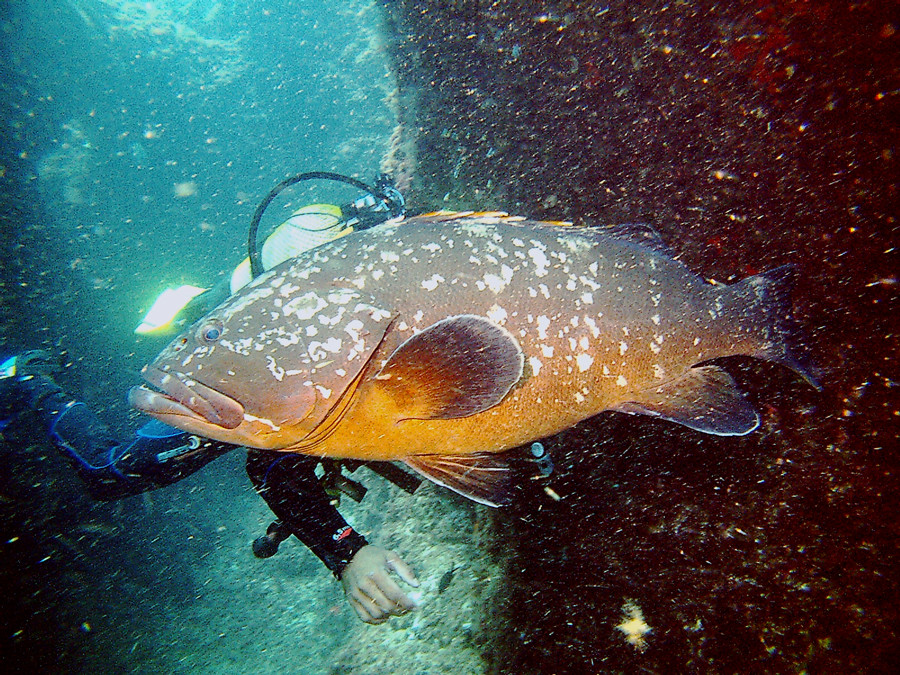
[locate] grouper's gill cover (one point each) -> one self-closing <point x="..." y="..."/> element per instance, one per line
<point x="445" y="339"/>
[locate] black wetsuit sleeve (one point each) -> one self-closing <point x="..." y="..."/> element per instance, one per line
<point x="156" y="456"/>
<point x="288" y="484"/>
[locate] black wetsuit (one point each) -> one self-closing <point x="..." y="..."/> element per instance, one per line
<point x="160" y="455"/>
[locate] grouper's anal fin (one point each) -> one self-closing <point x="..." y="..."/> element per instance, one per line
<point x="482" y="477"/>
<point x="705" y="398"/>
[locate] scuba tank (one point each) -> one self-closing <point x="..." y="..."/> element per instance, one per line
<point x="306" y="228"/>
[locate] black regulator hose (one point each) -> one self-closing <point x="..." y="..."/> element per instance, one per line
<point x="256" y="266"/>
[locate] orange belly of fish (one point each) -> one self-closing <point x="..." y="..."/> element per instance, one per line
<point x="374" y="429"/>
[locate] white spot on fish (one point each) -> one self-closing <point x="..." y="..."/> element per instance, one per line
<point x="316" y="351"/>
<point x="417" y="317"/>
<point x="540" y="261"/>
<point x="353" y="328"/>
<point x="543" y="323"/>
<point x="696" y="341"/>
<point x="590" y="283"/>
<point x="287" y="341"/>
<point x="658" y="371"/>
<point x="305" y="306"/>
<point x="655" y="348"/>
<point x="341" y="297"/>
<point x="587" y="298"/>
<point x="579" y="397"/>
<point x="584" y="343"/>
<point x="547" y="351"/>
<point x="535" y="364"/>
<point x="268" y="423"/>
<point x="623" y="347"/>
<point x="332" y="344"/>
<point x="621" y="381"/>
<point x="433" y="282"/>
<point x="306" y="272"/>
<point x="276" y="370"/>
<point x="377" y="274"/>
<point x="332" y="320"/>
<point x="379" y="314"/>
<point x="590" y="323"/>
<point x="389" y="256"/>
<point x="655" y="319"/>
<point x="497" y="314"/>
<point x="326" y="393"/>
<point x="498" y="283"/>
<point x="584" y="361"/>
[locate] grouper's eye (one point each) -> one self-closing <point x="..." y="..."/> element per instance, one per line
<point x="210" y="332"/>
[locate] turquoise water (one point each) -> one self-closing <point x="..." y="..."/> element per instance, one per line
<point x="138" y="139"/>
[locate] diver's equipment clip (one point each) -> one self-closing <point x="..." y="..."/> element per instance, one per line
<point x="541" y="458"/>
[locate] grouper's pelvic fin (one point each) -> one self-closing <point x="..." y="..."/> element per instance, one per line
<point x="785" y="344"/>
<point x="482" y="477"/>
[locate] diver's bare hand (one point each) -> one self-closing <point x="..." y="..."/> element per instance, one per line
<point x="370" y="590"/>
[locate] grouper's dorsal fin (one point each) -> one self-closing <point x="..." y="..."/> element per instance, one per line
<point x="640" y="234"/>
<point x="482" y="477"/>
<point x="459" y="366"/>
<point x="486" y="217"/>
<point x="705" y="398"/>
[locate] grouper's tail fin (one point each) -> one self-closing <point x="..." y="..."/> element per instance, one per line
<point x="784" y="344"/>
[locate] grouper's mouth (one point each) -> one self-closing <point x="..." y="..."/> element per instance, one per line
<point x="180" y="395"/>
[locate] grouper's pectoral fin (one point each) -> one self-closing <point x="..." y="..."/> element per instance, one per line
<point x="455" y="368"/>
<point x="705" y="398"/>
<point x="482" y="477"/>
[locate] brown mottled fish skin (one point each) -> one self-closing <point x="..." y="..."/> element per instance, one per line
<point x="301" y="359"/>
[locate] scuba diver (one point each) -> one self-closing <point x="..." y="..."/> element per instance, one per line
<point x="159" y="455"/>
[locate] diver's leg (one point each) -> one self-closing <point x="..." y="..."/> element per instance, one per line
<point x="158" y="455"/>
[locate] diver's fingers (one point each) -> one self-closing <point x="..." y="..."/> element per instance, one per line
<point x="401" y="602"/>
<point x="404" y="571"/>
<point x="367" y="611"/>
<point x="370" y="589"/>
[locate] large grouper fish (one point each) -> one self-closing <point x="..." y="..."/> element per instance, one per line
<point x="445" y="339"/>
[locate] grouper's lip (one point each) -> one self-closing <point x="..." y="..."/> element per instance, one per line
<point x="180" y="395"/>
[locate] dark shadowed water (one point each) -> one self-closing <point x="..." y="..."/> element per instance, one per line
<point x="138" y="138"/>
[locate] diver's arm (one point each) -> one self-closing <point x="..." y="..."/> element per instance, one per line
<point x="288" y="484"/>
<point x="290" y="487"/>
<point x="158" y="455"/>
